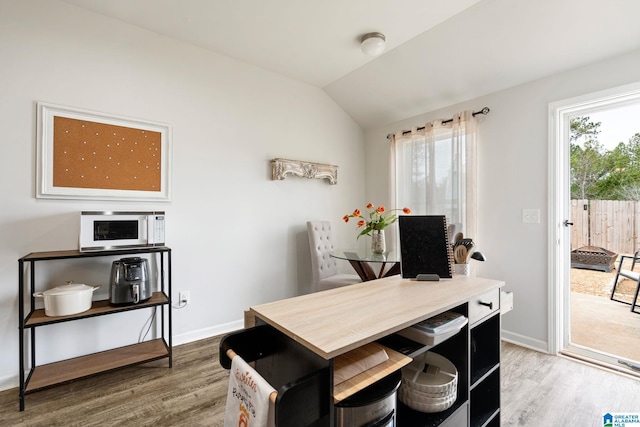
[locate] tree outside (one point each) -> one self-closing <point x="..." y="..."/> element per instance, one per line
<point x="598" y="173"/>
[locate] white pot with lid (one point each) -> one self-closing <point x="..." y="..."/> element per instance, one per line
<point x="65" y="300"/>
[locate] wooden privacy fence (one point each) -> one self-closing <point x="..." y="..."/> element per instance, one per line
<point x="610" y="224"/>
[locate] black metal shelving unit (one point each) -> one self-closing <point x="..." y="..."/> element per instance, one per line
<point x="49" y="375"/>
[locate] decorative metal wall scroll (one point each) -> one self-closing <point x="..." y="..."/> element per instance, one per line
<point x="283" y="167"/>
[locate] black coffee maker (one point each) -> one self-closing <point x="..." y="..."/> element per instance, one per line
<point x="130" y="281"/>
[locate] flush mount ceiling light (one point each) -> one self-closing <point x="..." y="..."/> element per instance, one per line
<point x="372" y="44"/>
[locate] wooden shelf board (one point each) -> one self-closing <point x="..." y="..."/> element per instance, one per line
<point x="97" y="308"/>
<point x="481" y="374"/>
<point x="72" y="369"/>
<point x="359" y="382"/>
<point x="73" y="253"/>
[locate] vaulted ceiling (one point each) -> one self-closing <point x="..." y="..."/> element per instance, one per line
<point x="438" y="52"/>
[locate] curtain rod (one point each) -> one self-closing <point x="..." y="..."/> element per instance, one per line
<point x="484" y="111"/>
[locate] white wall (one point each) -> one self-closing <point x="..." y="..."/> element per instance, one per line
<point x="238" y="238"/>
<point x="513" y="174"/>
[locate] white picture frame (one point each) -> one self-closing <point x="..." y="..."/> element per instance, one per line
<point x="49" y="161"/>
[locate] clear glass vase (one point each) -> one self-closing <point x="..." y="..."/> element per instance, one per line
<point x="378" y="244"/>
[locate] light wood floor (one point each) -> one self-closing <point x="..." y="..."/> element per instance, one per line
<point x="543" y="390"/>
<point x="537" y="389"/>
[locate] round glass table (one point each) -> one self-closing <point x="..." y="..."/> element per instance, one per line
<point x="362" y="258"/>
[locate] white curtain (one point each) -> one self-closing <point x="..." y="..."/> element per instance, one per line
<point x="434" y="170"/>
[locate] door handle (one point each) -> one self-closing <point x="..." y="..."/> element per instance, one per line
<point x="567" y="223"/>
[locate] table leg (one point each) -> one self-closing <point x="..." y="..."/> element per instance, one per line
<point x="393" y="270"/>
<point x="363" y="269"/>
<point x="366" y="273"/>
<point x="384" y="264"/>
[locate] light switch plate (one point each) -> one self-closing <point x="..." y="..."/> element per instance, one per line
<point x="531" y="216"/>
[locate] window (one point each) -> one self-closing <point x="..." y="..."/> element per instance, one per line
<point x="434" y="170"/>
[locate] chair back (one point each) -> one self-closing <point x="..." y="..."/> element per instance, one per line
<point x="321" y="245"/>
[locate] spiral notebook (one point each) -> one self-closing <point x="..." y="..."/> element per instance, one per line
<point x="424" y="246"/>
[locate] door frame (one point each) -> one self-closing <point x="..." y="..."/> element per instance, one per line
<point x="559" y="241"/>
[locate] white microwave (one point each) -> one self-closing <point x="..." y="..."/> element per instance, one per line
<point x="100" y="231"/>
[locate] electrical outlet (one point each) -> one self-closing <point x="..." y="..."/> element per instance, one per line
<point x="184" y="297"/>
<point x="531" y="216"/>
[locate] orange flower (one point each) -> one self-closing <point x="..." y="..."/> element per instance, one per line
<point x="374" y="219"/>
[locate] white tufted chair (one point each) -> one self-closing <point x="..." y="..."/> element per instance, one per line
<point x="323" y="266"/>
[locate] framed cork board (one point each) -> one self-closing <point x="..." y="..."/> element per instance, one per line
<point x="88" y="155"/>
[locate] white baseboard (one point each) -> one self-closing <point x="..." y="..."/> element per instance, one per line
<point x="9" y="382"/>
<point x="524" y="341"/>
<point x="201" y="334"/>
